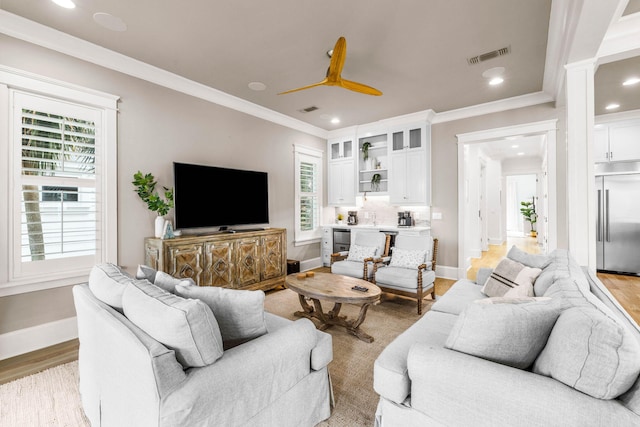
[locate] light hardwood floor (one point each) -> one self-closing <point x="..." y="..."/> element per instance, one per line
<point x="625" y="288"/>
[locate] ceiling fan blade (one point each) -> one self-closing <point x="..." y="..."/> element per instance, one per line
<point x="359" y="87"/>
<point x="337" y="60"/>
<point x="324" y="82"/>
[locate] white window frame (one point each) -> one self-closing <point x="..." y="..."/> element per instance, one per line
<point x="306" y="154"/>
<point x="14" y="280"/>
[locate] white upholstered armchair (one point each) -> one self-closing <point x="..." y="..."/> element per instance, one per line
<point x="411" y="269"/>
<point x="366" y="247"/>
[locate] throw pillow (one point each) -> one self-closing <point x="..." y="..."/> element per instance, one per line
<point x="146" y="272"/>
<point x="240" y="313"/>
<point x="186" y="326"/>
<point x="591" y="352"/>
<point x="511" y="279"/>
<point x="107" y="282"/>
<point x="169" y="283"/>
<point x="530" y="260"/>
<point x="360" y="253"/>
<point x="510" y="334"/>
<point x="407" y="258"/>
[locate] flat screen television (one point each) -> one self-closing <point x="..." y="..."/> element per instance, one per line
<point x="209" y="196"/>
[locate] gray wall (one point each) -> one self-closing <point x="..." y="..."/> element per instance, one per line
<point x="157" y="126"/>
<point x="444" y="151"/>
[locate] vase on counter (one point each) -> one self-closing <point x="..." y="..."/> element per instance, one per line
<point x="159" y="226"/>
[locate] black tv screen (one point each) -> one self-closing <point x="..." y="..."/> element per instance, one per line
<point x="209" y="196"/>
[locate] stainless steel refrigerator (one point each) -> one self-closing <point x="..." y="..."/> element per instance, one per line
<point x="618" y="220"/>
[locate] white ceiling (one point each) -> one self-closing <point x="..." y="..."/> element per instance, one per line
<point x="414" y="51"/>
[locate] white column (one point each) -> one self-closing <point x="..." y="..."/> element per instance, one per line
<point x="580" y="168"/>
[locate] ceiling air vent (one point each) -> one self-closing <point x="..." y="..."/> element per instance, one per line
<point x="489" y="55"/>
<point x="309" y="109"/>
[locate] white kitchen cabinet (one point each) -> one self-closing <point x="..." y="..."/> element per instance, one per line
<point x="373" y="172"/>
<point x="410" y="170"/>
<point x="327" y="245"/>
<point x="617" y="142"/>
<point x="341" y="167"/>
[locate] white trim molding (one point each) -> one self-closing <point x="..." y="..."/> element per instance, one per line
<point x="34" y="338"/>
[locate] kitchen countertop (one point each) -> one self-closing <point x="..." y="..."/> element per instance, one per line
<point x="378" y="227"/>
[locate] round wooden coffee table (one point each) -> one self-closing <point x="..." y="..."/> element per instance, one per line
<point x="337" y="289"/>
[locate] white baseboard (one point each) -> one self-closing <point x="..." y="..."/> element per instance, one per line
<point x="310" y="264"/>
<point x="496" y="240"/>
<point x="34" y="338"/>
<point x="445" y="272"/>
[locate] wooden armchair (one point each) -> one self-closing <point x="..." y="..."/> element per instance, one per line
<point x="357" y="262"/>
<point x="412" y="272"/>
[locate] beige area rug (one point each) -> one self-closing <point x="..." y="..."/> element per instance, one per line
<point x="51" y="398"/>
<point x="352" y="366"/>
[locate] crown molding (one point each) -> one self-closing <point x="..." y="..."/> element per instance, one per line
<point x="622" y="41"/>
<point x="41" y="35"/>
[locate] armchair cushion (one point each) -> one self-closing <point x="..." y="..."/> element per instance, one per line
<point x="359" y="253"/>
<point x="408" y="258"/>
<point x="240" y="313"/>
<point x="404" y="277"/>
<point x="351" y="268"/>
<point x="186" y="326"/>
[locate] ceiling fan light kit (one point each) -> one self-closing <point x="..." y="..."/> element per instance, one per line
<point x="334" y="72"/>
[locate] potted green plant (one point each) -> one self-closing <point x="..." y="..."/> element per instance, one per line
<point x="528" y="211"/>
<point x="145" y="185"/>
<point x="375" y="182"/>
<point x="365" y="150"/>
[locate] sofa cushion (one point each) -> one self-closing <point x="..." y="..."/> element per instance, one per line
<point x="511" y="279"/>
<point x="462" y="293"/>
<point x="407" y="258"/>
<point x="107" y="282"/>
<point x="240" y="313"/>
<point x="530" y="260"/>
<point x="186" y="326"/>
<point x="511" y="334"/>
<point x="562" y="266"/>
<point x="404" y="278"/>
<point x="146" y="272"/>
<point x="591" y="352"/>
<point x="360" y="253"/>
<point x="391" y="377"/>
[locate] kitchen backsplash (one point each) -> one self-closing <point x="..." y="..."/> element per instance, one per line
<point x="378" y="209"/>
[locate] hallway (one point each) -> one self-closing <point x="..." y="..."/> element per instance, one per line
<point x="492" y="257"/>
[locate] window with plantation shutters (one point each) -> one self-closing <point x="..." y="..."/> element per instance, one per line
<point x="59" y="166"/>
<point x="308" y="195"/>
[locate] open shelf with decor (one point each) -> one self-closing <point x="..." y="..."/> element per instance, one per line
<point x="373" y="173"/>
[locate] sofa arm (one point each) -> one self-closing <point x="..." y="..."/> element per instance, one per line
<point x="458" y="389"/>
<point x="245" y="380"/>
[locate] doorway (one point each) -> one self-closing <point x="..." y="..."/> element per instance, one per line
<point x="520" y="188"/>
<point x="468" y="207"/>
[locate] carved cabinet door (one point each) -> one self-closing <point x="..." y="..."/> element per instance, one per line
<point x="186" y="261"/>
<point x="219" y="266"/>
<point x="247" y="261"/>
<point x="272" y="256"/>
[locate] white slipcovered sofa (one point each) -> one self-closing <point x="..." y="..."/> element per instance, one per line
<point x="189" y="375"/>
<point x="570" y="358"/>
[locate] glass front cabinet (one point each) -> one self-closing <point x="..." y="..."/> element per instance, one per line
<point x="341" y="168"/>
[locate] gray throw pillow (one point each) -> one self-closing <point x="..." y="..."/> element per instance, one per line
<point x="169" y="283"/>
<point x="146" y="272"/>
<point x="107" y="282"/>
<point x="591" y="352"/>
<point x="240" y="313"/>
<point x="511" y="334"/>
<point x="511" y="279"/>
<point x="530" y="260"/>
<point x="186" y="326"/>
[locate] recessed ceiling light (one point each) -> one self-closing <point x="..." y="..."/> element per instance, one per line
<point x="631" y="81"/>
<point x="257" y="86"/>
<point x="335" y="120"/>
<point x="521" y="154"/>
<point x="515" y="146"/>
<point x="67" y="4"/>
<point x="496" y="81"/>
<point x="612" y="106"/>
<point x="109" y="22"/>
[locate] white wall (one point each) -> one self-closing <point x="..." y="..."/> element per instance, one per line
<point x="520" y="188"/>
<point x="495" y="203"/>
